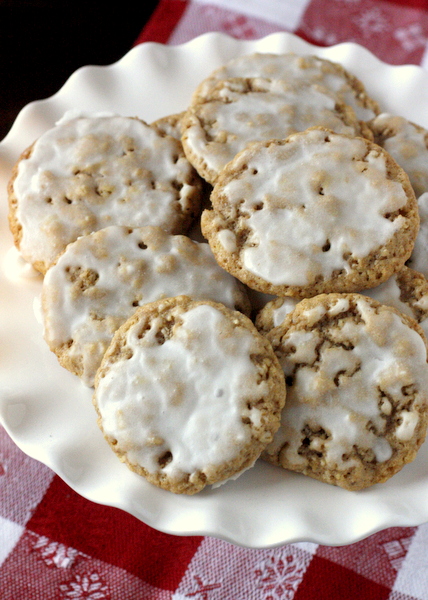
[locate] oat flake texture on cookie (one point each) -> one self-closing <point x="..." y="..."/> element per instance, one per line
<point x="89" y="172"/>
<point x="357" y="390"/>
<point x="189" y="393"/>
<point x="317" y="212"/>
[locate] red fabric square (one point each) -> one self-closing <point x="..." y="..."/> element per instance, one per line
<point x="39" y="569"/>
<point x="325" y="580"/>
<point x="395" y="32"/>
<point x="163" y="21"/>
<point x="113" y="536"/>
<point x="379" y="557"/>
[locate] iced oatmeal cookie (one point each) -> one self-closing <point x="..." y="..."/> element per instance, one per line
<point x="189" y="393"/>
<point x="317" y="212"/>
<point x="357" y="390"/>
<point x="89" y="172"/>
<point x="407" y="143"/>
<point x="169" y="125"/>
<point x="293" y="67"/>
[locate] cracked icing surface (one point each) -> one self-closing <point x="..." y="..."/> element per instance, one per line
<point x="357" y="382"/>
<point x="408" y="145"/>
<point x="100" y="279"/>
<point x="317" y="212"/>
<point x="294" y="68"/>
<point x="89" y="172"/>
<point x="238" y="111"/>
<point x="189" y="393"/>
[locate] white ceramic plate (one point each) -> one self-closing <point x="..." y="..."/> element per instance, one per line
<point x="48" y="412"/>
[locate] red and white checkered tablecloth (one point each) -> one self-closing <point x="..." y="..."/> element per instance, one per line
<point x="56" y="545"/>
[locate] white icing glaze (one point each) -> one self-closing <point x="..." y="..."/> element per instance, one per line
<point x="128" y="275"/>
<point x="90" y="172"/>
<point x="389" y="293"/>
<point x="270" y="109"/>
<point x="385" y="357"/>
<point x="189" y="394"/>
<point x="279" y="314"/>
<point x="408" y="425"/>
<point x="347" y="217"/>
<point x="292" y="68"/>
<point x="228" y="240"/>
<point x="169" y="125"/>
<point x="408" y="146"/>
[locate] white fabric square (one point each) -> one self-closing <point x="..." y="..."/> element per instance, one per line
<point x="285" y="13"/>
<point x="10" y="533"/>
<point x="412" y="578"/>
<point x="221" y="570"/>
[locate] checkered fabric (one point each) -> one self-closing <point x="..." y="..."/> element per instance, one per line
<point x="56" y="545"/>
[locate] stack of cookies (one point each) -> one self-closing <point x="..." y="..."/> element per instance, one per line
<point x="313" y="203"/>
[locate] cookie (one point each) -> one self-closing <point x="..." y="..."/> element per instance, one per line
<point x="241" y="110"/>
<point x="188" y="394"/>
<point x="318" y="212"/>
<point x="295" y="68"/>
<point x="419" y="258"/>
<point x="408" y="145"/>
<point x="406" y="290"/>
<point x="357" y="390"/>
<point x="169" y="125"/>
<point x="101" y="278"/>
<point x="91" y="172"/>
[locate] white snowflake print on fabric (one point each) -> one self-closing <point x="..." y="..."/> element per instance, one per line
<point x="52" y="553"/>
<point x="279" y="577"/>
<point x="201" y="590"/>
<point x="396" y="551"/>
<point x="238" y="26"/>
<point x="85" y="587"/>
<point x="322" y="36"/>
<point x="234" y="24"/>
<point x="411" y="37"/>
<point x="372" y="21"/>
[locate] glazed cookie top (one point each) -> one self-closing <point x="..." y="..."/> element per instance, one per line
<point x="318" y="212"/>
<point x="408" y="145"/>
<point x="292" y="68"/>
<point x="237" y="111"/>
<point x="357" y="379"/>
<point x="189" y="393"/>
<point x="90" y="172"/>
<point x="407" y="291"/>
<point x="100" y="280"/>
<point x="169" y="125"/>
